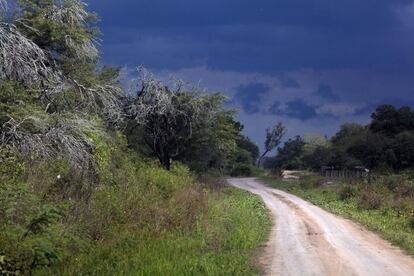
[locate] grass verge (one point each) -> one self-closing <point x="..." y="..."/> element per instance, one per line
<point x="223" y="241"/>
<point x="389" y="222"/>
<point x="127" y="216"/>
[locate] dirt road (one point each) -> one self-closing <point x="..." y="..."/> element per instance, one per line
<point x="307" y="240"/>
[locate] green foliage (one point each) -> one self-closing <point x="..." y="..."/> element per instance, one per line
<point x="14" y="98"/>
<point x="136" y="217"/>
<point x="403" y="149"/>
<point x="246" y="144"/>
<point x="221" y="242"/>
<point x="412" y="219"/>
<point x="31" y="236"/>
<point x="102" y="153"/>
<point x="318" y="157"/>
<point x="389" y="120"/>
<point x="310" y="182"/>
<point x="289" y="156"/>
<point x="369" y="200"/>
<point x="241" y="170"/>
<point x="175" y="121"/>
<point x="61" y="27"/>
<point x="384" y="145"/>
<point x="347" y="192"/>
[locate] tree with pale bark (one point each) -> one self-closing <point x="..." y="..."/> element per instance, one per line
<point x="274" y="136"/>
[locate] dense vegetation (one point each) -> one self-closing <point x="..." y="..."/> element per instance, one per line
<point x="94" y="180"/>
<point x="137" y="218"/>
<point x="385" y="206"/>
<point x="384" y="145"/>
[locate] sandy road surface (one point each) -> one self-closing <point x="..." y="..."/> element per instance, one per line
<point x="307" y="240"/>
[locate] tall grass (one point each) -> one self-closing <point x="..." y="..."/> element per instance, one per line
<point x="222" y="240"/>
<point x="127" y="217"/>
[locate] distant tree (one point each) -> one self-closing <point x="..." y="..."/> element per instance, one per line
<point x="274" y="136"/>
<point x="390" y="121"/>
<point x="320" y="156"/>
<point x="213" y="143"/>
<point x="269" y="162"/>
<point x="371" y="149"/>
<point x="403" y="149"/>
<point x="313" y="141"/>
<point x="347" y="134"/>
<point x="385" y="144"/>
<point x="245" y="143"/>
<point x="290" y="155"/>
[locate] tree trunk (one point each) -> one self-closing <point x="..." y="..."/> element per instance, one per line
<point x="166" y="162"/>
<point x="260" y="158"/>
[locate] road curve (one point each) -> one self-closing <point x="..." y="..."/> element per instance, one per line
<point x="307" y="240"/>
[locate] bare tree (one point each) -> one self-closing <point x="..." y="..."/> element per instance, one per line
<point x="274" y="136"/>
<point x="21" y="59"/>
<point x="58" y="137"/>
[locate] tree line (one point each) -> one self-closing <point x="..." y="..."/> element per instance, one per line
<point x="385" y="144"/>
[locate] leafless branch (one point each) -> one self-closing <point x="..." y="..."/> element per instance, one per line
<point x="21" y="59"/>
<point x="3" y="6"/>
<point x="64" y="138"/>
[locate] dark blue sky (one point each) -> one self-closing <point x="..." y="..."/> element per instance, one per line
<point x="311" y="64"/>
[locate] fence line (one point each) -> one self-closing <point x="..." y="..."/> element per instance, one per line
<point x="345" y="173"/>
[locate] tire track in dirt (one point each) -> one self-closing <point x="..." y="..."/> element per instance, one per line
<point x="322" y="247"/>
<point x="306" y="240"/>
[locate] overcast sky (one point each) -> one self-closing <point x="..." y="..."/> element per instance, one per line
<point x="312" y="64"/>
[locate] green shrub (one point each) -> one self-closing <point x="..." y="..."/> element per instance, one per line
<point x="228" y="227"/>
<point x="369" y="200"/>
<point x="311" y="181"/>
<point x="347" y="192"/>
<point x="276" y="172"/>
<point x="412" y="219"/>
<point x="405" y="190"/>
<point x="31" y="236"/>
<point x="12" y="167"/>
<point x="241" y="170"/>
<point x="393" y="182"/>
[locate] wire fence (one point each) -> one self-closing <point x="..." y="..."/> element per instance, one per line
<point x="355" y="173"/>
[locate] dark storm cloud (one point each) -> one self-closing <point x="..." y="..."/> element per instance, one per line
<point x="288" y="82"/>
<point x="264" y="36"/>
<point x="315" y="13"/>
<point x="275" y="108"/>
<point x="367" y="109"/>
<point x="250" y="97"/>
<point x="296" y="109"/>
<point x="326" y="93"/>
<point x="370" y="108"/>
<point x="359" y="51"/>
